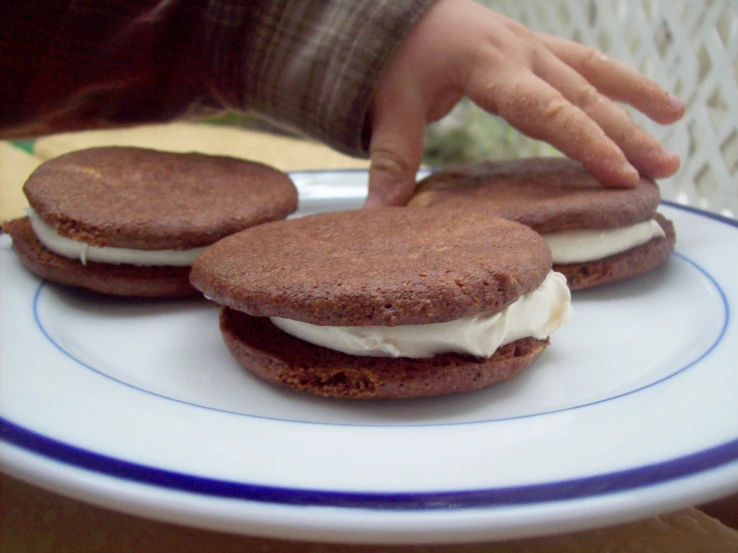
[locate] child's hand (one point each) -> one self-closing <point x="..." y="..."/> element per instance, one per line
<point x="548" y="88"/>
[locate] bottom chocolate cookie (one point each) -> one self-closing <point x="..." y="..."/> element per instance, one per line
<point x="119" y="280"/>
<point x="265" y="350"/>
<point x="624" y="265"/>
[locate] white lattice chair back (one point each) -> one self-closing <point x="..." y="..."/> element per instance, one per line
<point x="688" y="46"/>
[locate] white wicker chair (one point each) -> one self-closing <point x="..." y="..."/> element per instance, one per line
<point x="688" y="46"/>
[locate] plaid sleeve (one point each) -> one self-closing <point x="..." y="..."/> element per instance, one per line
<point x="315" y="65"/>
<point x="311" y="65"/>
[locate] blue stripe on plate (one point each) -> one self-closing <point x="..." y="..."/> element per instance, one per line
<point x="679" y="370"/>
<point x="578" y="488"/>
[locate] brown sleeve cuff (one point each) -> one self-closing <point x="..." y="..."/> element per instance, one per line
<point x="314" y="66"/>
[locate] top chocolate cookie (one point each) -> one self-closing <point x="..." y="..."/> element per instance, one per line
<point x="546" y="194"/>
<point x="151" y="200"/>
<point x="381" y="266"/>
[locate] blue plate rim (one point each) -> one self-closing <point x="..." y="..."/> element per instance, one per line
<point x="533" y="494"/>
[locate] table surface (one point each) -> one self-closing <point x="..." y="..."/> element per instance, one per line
<point x="32" y="519"/>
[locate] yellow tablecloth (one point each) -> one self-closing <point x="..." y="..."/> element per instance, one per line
<point x="34" y="520"/>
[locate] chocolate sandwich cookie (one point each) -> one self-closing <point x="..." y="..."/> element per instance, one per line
<point x="386" y="302"/>
<point x="130" y="221"/>
<point x="596" y="235"/>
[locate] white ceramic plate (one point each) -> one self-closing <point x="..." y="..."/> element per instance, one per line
<point x="632" y="411"/>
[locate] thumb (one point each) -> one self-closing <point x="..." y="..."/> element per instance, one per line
<point x="396" y="148"/>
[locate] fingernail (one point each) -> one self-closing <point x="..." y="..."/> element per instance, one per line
<point x="670" y="153"/>
<point x="675" y="101"/>
<point x="372" y="201"/>
<point x="674" y="160"/>
<point x="630" y="173"/>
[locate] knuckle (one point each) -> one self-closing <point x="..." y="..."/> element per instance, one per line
<point x="588" y="97"/>
<point x="593" y="58"/>
<point x="559" y="116"/>
<point x="531" y="49"/>
<point x="638" y="139"/>
<point x="557" y="111"/>
<point x="523" y="32"/>
<point x="499" y="92"/>
<point x="516" y="42"/>
<point x="537" y="53"/>
<point x="389" y="161"/>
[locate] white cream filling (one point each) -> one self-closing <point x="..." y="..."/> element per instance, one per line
<point x="581" y="245"/>
<point x="537" y="314"/>
<point x="75" y="249"/>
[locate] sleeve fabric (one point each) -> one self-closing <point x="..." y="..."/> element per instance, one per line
<point x="312" y="65"/>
